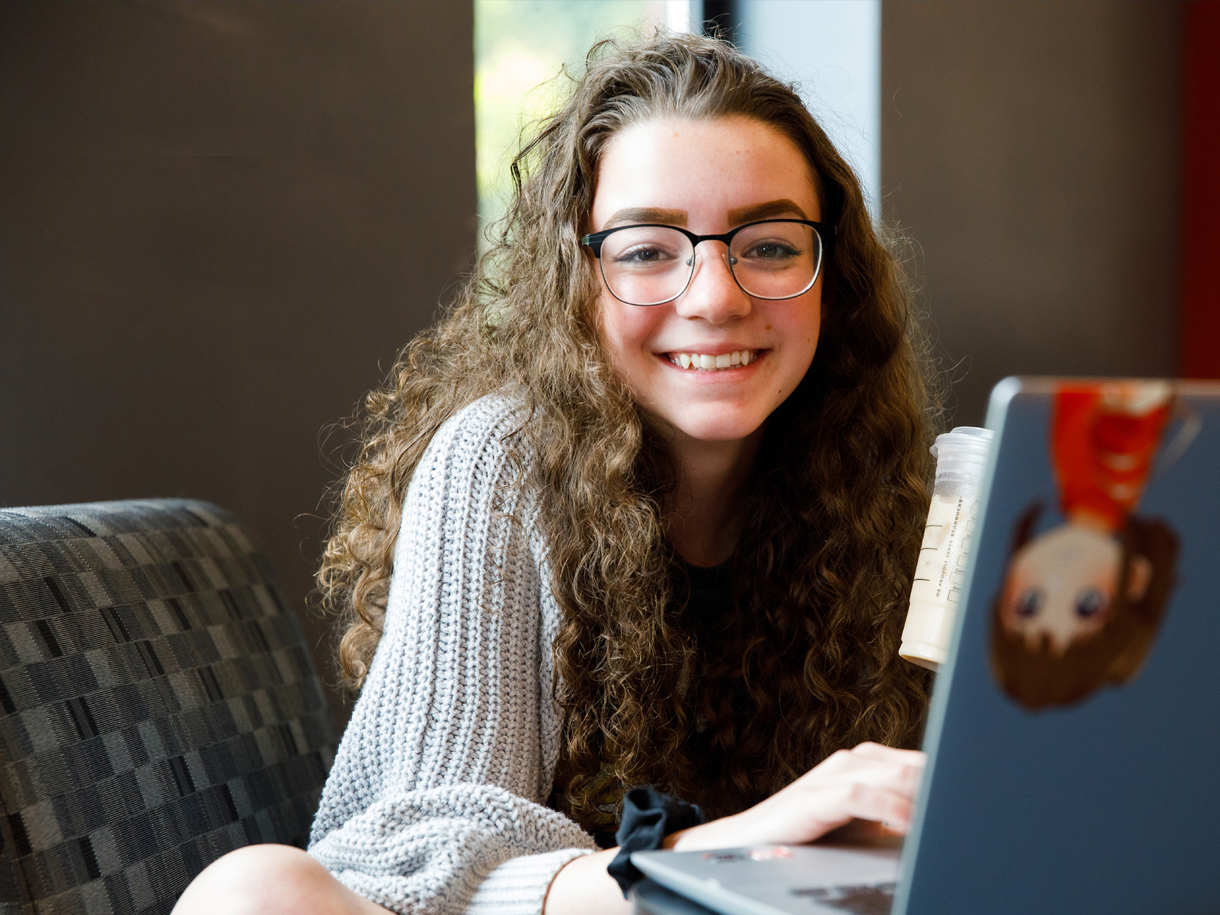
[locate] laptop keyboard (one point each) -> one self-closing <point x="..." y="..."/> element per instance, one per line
<point x="868" y="899"/>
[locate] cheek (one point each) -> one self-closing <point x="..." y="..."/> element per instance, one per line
<point x="798" y="326"/>
<point x="807" y="326"/>
<point x="626" y="331"/>
<point x="615" y="325"/>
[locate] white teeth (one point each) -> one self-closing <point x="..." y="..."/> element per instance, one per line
<point x="703" y="362"/>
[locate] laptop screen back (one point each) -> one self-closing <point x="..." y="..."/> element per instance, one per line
<point x="1052" y="789"/>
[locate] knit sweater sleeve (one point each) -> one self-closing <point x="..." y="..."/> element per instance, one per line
<point x="436" y="800"/>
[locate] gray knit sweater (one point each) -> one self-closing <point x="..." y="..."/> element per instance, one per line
<point x="437" y="798"/>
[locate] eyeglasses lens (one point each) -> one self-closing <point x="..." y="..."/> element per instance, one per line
<point x="776" y="260"/>
<point x="648" y="265"/>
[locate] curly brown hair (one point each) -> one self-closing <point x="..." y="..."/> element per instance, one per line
<point x="833" y="513"/>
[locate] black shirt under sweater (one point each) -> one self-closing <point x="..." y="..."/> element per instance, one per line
<point x="702" y="597"/>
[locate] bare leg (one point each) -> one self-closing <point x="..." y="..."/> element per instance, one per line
<point x="270" y="880"/>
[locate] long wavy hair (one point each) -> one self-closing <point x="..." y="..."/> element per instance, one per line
<point x="807" y="661"/>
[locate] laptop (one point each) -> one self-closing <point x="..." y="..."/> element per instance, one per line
<point x="1073" y="736"/>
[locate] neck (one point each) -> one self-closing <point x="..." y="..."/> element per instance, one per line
<point x="703" y="515"/>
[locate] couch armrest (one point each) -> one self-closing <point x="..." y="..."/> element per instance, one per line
<point x="158" y="705"/>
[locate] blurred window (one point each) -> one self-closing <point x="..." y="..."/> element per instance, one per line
<point x="519" y="48"/>
<point x="832" y="50"/>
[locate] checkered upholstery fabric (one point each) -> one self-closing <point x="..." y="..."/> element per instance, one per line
<point x="158" y="706"/>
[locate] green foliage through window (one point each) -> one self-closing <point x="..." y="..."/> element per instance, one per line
<point x="520" y="47"/>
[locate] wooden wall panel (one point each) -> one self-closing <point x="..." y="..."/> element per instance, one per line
<point x="1200" y="340"/>
<point x="218" y="223"/>
<point x="1032" y="153"/>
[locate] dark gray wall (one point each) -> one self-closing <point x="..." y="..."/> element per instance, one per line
<point x="218" y="223"/>
<point x="1031" y="150"/>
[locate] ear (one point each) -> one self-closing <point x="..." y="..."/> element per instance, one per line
<point x="1139" y="576"/>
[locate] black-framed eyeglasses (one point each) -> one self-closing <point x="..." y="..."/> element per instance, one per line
<point x="653" y="264"/>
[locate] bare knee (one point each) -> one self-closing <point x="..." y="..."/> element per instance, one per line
<point x="264" y="879"/>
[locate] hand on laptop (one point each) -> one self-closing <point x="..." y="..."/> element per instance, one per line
<point x="870" y="782"/>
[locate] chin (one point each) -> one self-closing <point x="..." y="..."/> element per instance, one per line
<point x="717" y="428"/>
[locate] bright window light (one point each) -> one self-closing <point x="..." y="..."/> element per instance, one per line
<point x="833" y="49"/>
<point x="519" y="48"/>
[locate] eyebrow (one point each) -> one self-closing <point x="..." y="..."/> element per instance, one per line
<point x="645" y="215"/>
<point x="753" y="213"/>
<point x="782" y="207"/>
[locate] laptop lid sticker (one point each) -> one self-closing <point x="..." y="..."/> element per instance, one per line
<point x="1087" y="581"/>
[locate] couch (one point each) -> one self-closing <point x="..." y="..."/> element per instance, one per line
<point x="158" y="705"/>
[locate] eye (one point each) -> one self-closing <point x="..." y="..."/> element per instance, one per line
<point x="1089" y="603"/>
<point x="644" y="249"/>
<point x="1029" y="603"/>
<point x="643" y="255"/>
<point x="771" y="251"/>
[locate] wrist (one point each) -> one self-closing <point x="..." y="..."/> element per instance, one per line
<point x="583" y="886"/>
<point x="716" y="834"/>
<point x="649" y="819"/>
<point x="672" y="840"/>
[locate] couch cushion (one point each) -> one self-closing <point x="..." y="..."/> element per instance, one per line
<point x="158" y="705"/>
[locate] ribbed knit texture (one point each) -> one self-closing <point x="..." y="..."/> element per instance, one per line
<point x="436" y="800"/>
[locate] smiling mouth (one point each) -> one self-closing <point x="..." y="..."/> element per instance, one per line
<point x="705" y="363"/>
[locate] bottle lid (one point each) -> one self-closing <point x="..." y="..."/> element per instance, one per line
<point x="961" y="454"/>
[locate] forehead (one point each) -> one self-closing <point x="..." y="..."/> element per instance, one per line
<point x="705" y="168"/>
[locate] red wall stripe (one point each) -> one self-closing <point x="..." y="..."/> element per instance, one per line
<point x="1201" y="186"/>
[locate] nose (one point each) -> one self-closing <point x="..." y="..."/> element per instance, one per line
<point x="713" y="294"/>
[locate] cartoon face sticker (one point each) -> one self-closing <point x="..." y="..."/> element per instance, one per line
<point x="1063" y="586"/>
<point x="1080" y="603"/>
<point x="1079" y="607"/>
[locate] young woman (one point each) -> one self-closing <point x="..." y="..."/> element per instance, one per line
<point x="642" y="509"/>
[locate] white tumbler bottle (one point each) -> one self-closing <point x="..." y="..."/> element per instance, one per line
<point x="961" y="457"/>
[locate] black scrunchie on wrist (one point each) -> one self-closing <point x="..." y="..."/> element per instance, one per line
<point x="648" y="817"/>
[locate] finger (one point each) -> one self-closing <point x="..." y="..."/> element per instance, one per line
<point x="863" y="832"/>
<point x="900" y="778"/>
<point x="837" y="806"/>
<point x="855" y="831"/>
<point x="865" y="754"/>
<point x="809" y="813"/>
<point x="880" y="752"/>
<point x="871" y="752"/>
<point x="900" y="771"/>
<point x="865" y="802"/>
